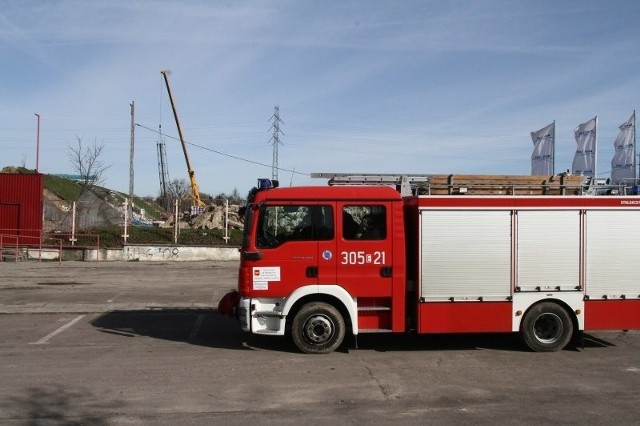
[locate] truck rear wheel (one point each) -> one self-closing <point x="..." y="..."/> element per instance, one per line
<point x="318" y="328"/>
<point x="547" y="327"/>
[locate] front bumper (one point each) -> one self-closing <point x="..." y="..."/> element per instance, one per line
<point x="243" y="311"/>
<point x="261" y="316"/>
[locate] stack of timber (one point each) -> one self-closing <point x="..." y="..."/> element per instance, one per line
<point x="504" y="185"/>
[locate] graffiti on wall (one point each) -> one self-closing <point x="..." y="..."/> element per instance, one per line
<point x="153" y="253"/>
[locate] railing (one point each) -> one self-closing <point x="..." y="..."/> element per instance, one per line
<point x="8" y="245"/>
<point x="628" y="187"/>
<point x="14" y="245"/>
<point x="77" y="241"/>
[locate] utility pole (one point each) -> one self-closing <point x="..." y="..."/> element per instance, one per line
<point x="275" y="139"/>
<point x="131" y="151"/>
<point x="126" y="220"/>
<point x="163" y="171"/>
<point x="176" y="225"/>
<point x="226" y="221"/>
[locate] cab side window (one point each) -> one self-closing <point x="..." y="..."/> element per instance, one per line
<point x="282" y="224"/>
<point x="364" y="222"/>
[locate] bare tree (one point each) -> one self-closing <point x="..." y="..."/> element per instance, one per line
<point x="178" y="189"/>
<point x="87" y="163"/>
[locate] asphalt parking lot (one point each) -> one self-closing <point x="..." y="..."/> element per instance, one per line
<point x="141" y="343"/>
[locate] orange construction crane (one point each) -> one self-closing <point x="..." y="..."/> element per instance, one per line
<point x="192" y="174"/>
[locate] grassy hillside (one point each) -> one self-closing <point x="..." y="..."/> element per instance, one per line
<point x="112" y="237"/>
<point x="63" y="188"/>
<point x="152" y="210"/>
<point x="70" y="191"/>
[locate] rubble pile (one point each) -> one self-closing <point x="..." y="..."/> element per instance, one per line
<point x="213" y="217"/>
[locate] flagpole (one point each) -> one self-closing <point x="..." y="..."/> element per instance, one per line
<point x="595" y="154"/>
<point x="553" y="150"/>
<point x="635" y="158"/>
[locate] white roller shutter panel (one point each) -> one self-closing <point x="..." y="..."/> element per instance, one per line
<point x="548" y="250"/>
<point x="613" y="245"/>
<point x="465" y="255"/>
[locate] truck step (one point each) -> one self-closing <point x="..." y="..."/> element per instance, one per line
<point x="267" y="314"/>
<point x="266" y="331"/>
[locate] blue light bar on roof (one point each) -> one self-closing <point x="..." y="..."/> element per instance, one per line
<point x="264" y="183"/>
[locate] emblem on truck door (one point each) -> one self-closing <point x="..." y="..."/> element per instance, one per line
<point x="327" y="255"/>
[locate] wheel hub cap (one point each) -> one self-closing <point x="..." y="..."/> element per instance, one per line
<point x="318" y="329"/>
<point x="548" y="328"/>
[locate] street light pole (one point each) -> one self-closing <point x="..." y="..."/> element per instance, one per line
<point x="38" y="143"/>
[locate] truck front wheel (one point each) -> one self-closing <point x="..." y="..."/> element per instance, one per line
<point x="547" y="327"/>
<point x="318" y="328"/>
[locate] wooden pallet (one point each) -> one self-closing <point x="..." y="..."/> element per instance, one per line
<point x="504" y="185"/>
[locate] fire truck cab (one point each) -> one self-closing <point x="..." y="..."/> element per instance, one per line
<point x="320" y="263"/>
<point x="316" y="263"/>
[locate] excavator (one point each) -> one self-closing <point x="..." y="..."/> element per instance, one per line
<point x="197" y="202"/>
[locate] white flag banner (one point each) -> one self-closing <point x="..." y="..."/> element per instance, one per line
<point x="542" y="156"/>
<point x="622" y="162"/>
<point x="584" y="162"/>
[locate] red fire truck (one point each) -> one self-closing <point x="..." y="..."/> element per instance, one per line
<point x="319" y="263"/>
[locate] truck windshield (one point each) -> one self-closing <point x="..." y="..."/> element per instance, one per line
<point x="248" y="219"/>
<point x="247" y="213"/>
<point x="281" y="224"/>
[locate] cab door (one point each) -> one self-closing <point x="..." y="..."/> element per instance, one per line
<point x="288" y="238"/>
<point x="365" y="248"/>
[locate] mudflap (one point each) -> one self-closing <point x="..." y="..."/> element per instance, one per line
<point x="227" y="305"/>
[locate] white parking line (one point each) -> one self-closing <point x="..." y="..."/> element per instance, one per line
<point x="46" y="338"/>
<point x="115" y="297"/>
<point x="196" y="327"/>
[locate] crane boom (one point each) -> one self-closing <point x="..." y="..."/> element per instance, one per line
<point x="192" y="174"/>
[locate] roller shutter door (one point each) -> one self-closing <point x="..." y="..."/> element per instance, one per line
<point x="465" y="255"/>
<point x="548" y="250"/>
<point x="613" y="245"/>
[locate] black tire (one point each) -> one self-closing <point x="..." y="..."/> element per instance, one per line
<point x="318" y="328"/>
<point x="547" y="327"/>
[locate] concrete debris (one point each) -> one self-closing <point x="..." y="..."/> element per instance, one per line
<point x="213" y="217"/>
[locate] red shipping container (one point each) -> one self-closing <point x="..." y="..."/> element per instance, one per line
<point x="21" y="204"/>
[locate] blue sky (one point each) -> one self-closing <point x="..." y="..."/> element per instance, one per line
<point x="362" y="86"/>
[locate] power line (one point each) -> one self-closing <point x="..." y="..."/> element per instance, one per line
<point x="235" y="157"/>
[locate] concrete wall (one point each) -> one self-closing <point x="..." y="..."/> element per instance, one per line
<point x="42" y="254"/>
<point x="140" y="253"/>
<point x="176" y="253"/>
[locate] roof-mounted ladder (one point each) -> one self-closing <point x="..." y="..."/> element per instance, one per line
<point x="404" y="183"/>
